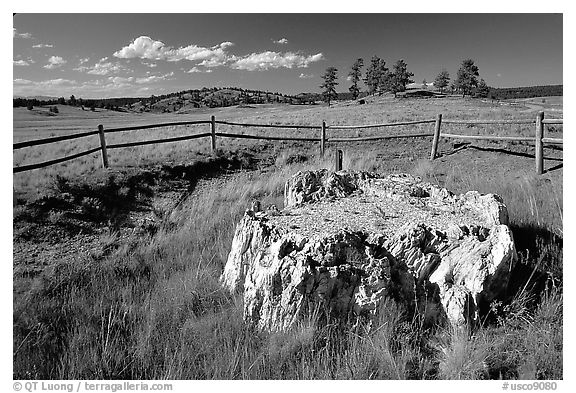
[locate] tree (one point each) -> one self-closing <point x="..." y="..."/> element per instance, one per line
<point x="72" y="100"/>
<point x="482" y="90"/>
<point x="424" y="84"/>
<point x="384" y="78"/>
<point x="466" y="79"/>
<point x="400" y="77"/>
<point x="329" y="84"/>
<point x="374" y="74"/>
<point x="442" y="80"/>
<point x="355" y="74"/>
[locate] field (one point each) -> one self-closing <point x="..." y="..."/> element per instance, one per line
<point x="116" y="271"/>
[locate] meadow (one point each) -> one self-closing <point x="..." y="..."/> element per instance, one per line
<point x="147" y="304"/>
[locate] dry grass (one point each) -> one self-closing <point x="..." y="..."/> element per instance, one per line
<point x="153" y="308"/>
<point x="383" y="109"/>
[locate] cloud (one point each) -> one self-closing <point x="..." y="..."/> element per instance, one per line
<point x="145" y="47"/>
<point x="306" y="76"/>
<point x="154" y="78"/>
<point x="21" y="35"/>
<point x="103" y="67"/>
<point x="281" y="41"/>
<point x="151" y="65"/>
<point x="196" y="69"/>
<point x="118" y="80"/>
<point x="84" y="60"/>
<point x="55" y="62"/>
<point x="20" y="81"/>
<point x="46" y="83"/>
<point x="21" y="63"/>
<point x="499" y="75"/>
<point x="112" y="86"/>
<point x="43" y="46"/>
<point x="267" y="60"/>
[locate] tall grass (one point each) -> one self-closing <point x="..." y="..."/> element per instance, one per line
<point x="152" y="307"/>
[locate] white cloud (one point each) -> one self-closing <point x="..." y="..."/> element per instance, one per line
<point x="267" y="60"/>
<point x="281" y="41"/>
<point x="117" y="80"/>
<point x="103" y="67"/>
<point x="154" y="78"/>
<point x="196" y="69"/>
<point x="151" y="65"/>
<point x="20" y="81"/>
<point x="55" y="62"/>
<point x="96" y="88"/>
<point x="306" y="76"/>
<point x="21" y="35"/>
<point x="84" y="60"/>
<point x="145" y="47"/>
<point x="46" y="83"/>
<point x="21" y="63"/>
<point x="43" y="46"/>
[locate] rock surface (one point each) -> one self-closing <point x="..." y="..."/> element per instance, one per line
<point x="347" y="240"/>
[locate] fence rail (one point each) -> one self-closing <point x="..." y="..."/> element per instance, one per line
<point x="539" y="139"/>
<point x="55" y="161"/>
<point x="403" y="123"/>
<point x="158" y="125"/>
<point x="45" y="141"/>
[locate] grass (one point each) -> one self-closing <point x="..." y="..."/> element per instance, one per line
<point x="150" y="306"/>
<point x="383" y="109"/>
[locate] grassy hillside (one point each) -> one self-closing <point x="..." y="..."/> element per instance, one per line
<point x="116" y="273"/>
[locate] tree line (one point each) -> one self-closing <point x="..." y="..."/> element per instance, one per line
<point x="379" y="79"/>
<point x="525" y="92"/>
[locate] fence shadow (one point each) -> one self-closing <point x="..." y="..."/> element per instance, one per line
<point x="497" y="150"/>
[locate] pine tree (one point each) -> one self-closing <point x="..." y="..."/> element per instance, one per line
<point x="442" y="80"/>
<point x="329" y="84"/>
<point x="374" y="74"/>
<point x="482" y="90"/>
<point x="466" y="79"/>
<point x="384" y="78"/>
<point x="400" y="77"/>
<point x="355" y="75"/>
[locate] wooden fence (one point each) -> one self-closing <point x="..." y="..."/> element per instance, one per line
<point x="538" y="139"/>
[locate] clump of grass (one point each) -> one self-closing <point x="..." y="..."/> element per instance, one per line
<point x="462" y="357"/>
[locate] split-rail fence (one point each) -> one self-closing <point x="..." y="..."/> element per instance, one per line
<point x="538" y="139"/>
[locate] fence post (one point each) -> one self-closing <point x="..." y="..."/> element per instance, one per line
<point x="539" y="151"/>
<point x="213" y="136"/>
<point x="103" y="146"/>
<point x="338" y="160"/>
<point x="436" y="136"/>
<point x="323" y="139"/>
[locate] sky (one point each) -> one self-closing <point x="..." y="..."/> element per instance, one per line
<point x="122" y="55"/>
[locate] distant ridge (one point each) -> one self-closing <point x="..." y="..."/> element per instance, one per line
<point x="229" y="96"/>
<point x="503" y="93"/>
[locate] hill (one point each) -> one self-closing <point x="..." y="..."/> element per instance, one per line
<point x="525" y="92"/>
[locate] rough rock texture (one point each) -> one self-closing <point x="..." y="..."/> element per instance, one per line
<point x="346" y="240"/>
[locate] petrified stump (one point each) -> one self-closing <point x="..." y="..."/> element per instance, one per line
<point x="346" y="240"/>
